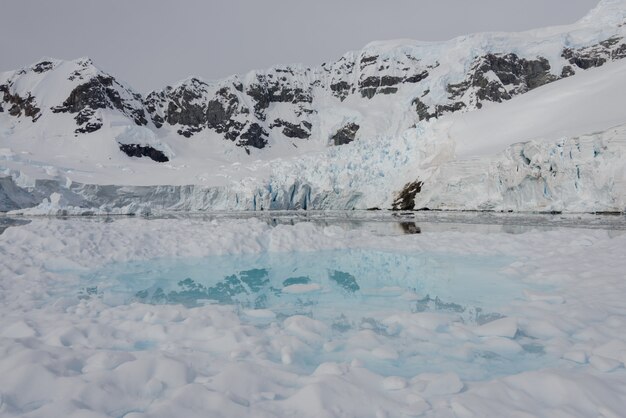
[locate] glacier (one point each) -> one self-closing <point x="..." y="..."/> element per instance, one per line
<point x="525" y="121"/>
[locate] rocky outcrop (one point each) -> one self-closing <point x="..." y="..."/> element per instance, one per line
<point x="376" y="75"/>
<point x="194" y="106"/>
<point x="100" y="92"/>
<point x="498" y="77"/>
<point x="136" y="150"/>
<point x="43" y="66"/>
<point x="223" y="108"/>
<point x="291" y="130"/>
<point x="494" y="78"/>
<point x="268" y="89"/>
<point x="405" y="200"/>
<point x="596" y="55"/>
<point x="372" y="85"/>
<point x="346" y="134"/>
<point x="17" y="105"/>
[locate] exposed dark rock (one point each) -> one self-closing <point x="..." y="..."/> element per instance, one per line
<point x="183" y="107"/>
<point x="365" y="61"/>
<point x="192" y="114"/>
<point x="89" y="127"/>
<point x="220" y="112"/>
<point x="267" y="91"/>
<point x="216" y="114"/>
<point x="583" y="61"/>
<point x="410" y="228"/>
<point x="406" y="198"/>
<point x="154" y="103"/>
<point x="369" y="85"/>
<point x="368" y="92"/>
<point x="514" y="76"/>
<point x="43" y="66"/>
<point x="255" y="136"/>
<point x="18" y="105"/>
<point x="158" y="120"/>
<point x="567" y="71"/>
<point x="136" y="150"/>
<point x="261" y="97"/>
<point x="422" y="110"/>
<point x="416" y="78"/>
<point x="449" y="108"/>
<point x="388" y="90"/>
<point x="100" y="92"/>
<point x="341" y="89"/>
<point x="188" y="107"/>
<point x="596" y="55"/>
<point x="346" y="134"/>
<point x="291" y="130"/>
<point x="387" y="80"/>
<point x="372" y="85"/>
<point x="188" y="131"/>
<point x="294" y="131"/>
<point x="87" y="121"/>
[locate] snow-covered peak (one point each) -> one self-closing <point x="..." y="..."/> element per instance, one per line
<point x="610" y="12"/>
<point x="383" y="89"/>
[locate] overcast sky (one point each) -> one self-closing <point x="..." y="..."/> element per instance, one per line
<point x="151" y="43"/>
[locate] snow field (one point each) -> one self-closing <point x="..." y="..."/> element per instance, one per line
<point x="61" y="355"/>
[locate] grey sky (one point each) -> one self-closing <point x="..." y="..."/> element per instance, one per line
<point x="151" y="43"/>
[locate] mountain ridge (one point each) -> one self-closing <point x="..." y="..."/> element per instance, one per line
<point x="241" y="108"/>
<point x="352" y="133"/>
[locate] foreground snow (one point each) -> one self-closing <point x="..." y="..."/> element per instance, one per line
<point x="64" y="355"/>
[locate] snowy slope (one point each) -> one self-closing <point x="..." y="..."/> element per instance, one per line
<point x="347" y="134"/>
<point x="590" y="102"/>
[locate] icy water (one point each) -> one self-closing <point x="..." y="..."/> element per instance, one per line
<point x="322" y="284"/>
<point x="348" y="290"/>
<point x="413" y="313"/>
<point x="363" y="298"/>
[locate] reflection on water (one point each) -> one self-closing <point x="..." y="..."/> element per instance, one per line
<point x="349" y="284"/>
<point x="365" y="298"/>
<point x="253" y="285"/>
<point x="410" y="228"/>
<point x="6" y="223"/>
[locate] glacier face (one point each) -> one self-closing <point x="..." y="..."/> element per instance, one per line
<point x="586" y="174"/>
<point x="349" y="134"/>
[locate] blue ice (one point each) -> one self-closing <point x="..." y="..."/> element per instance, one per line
<point x="349" y="290"/>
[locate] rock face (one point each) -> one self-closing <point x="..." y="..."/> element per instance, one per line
<point x="405" y="200"/>
<point x="498" y="77"/>
<point x="17" y="105"/>
<point x="346" y="134"/>
<point x="86" y="91"/>
<point x="596" y="55"/>
<point x="245" y="109"/>
<point x="236" y="109"/>
<point x="100" y="92"/>
<point x="135" y="150"/>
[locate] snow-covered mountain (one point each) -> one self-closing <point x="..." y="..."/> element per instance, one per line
<point x="376" y="128"/>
